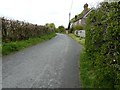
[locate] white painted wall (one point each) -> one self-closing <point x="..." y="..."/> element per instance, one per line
<point x="80" y="33"/>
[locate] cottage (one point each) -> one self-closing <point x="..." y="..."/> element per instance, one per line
<point x="80" y="19"/>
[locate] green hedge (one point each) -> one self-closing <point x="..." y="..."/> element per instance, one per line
<point x="103" y="44"/>
<point x="76" y="27"/>
<point x="14" y="30"/>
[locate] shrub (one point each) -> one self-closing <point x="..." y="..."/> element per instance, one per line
<point x="61" y="29"/>
<point x="76" y="27"/>
<point x="103" y="44"/>
<point x="14" y="30"/>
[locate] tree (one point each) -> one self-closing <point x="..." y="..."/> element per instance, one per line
<point x="50" y="25"/>
<point x="61" y="29"/>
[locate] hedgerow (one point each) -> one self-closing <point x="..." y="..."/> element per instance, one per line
<point x="14" y="30"/>
<point x="103" y="44"/>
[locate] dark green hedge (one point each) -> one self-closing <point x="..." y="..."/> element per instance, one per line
<point x="103" y="44"/>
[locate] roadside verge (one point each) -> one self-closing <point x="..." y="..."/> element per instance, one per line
<point x="86" y="73"/>
<point x="10" y="47"/>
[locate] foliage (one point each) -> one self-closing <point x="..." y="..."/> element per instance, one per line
<point x="76" y="27"/>
<point x="51" y="25"/>
<point x="7" y="48"/>
<point x="87" y="75"/>
<point x="0" y="50"/>
<point x="14" y="30"/>
<point x="103" y="45"/>
<point x="61" y="29"/>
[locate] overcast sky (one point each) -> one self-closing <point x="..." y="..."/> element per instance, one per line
<point x="43" y="11"/>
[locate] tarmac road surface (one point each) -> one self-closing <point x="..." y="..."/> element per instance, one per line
<point x="51" y="64"/>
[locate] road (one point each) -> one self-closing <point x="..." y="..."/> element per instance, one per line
<point x="51" y="64"/>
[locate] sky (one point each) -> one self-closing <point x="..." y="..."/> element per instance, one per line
<point x="43" y="11"/>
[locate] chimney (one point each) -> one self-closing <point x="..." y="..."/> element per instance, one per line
<point x="86" y="7"/>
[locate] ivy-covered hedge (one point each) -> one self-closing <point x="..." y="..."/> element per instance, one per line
<point x="14" y="30"/>
<point x="103" y="44"/>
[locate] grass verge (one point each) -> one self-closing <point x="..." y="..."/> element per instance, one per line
<point x="78" y="39"/>
<point x="10" y="47"/>
<point x="0" y="50"/>
<point x="87" y="75"/>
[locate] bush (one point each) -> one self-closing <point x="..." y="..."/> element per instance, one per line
<point x="103" y="44"/>
<point x="76" y="27"/>
<point x="60" y="29"/>
<point x="14" y="30"/>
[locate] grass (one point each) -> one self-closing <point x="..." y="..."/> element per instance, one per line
<point x="78" y="39"/>
<point x="87" y="75"/>
<point x="10" y="47"/>
<point x="0" y="49"/>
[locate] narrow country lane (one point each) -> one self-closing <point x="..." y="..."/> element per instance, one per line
<point x="51" y="64"/>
